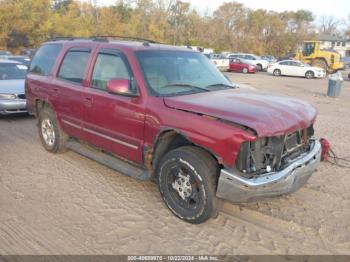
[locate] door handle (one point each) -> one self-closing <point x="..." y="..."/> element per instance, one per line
<point x="88" y="101"/>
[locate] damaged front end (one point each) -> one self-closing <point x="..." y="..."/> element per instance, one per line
<point x="271" y="166"/>
<point x="269" y="154"/>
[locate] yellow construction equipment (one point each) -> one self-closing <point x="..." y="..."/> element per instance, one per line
<point x="312" y="54"/>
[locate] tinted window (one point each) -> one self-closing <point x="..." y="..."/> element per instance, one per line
<point x="12" y="71"/>
<point x="294" y="63"/>
<point x="73" y="66"/>
<point x="108" y="66"/>
<point x="284" y="63"/>
<point x="44" y="59"/>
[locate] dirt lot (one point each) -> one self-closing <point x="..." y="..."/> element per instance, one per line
<point x="67" y="204"/>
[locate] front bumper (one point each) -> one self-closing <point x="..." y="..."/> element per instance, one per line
<point x="236" y="188"/>
<point x="14" y="106"/>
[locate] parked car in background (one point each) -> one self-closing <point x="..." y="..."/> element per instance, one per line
<point x="166" y="114"/>
<point x="12" y="94"/>
<point x="220" y="61"/>
<point x="346" y="61"/>
<point x="269" y="58"/>
<point x="260" y="64"/>
<point x="296" y="68"/>
<point x="28" y="52"/>
<point x="236" y="65"/>
<point x="5" y="53"/>
<point x="22" y="59"/>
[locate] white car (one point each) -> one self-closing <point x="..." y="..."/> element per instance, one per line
<point x="260" y="64"/>
<point x="220" y="61"/>
<point x="296" y="68"/>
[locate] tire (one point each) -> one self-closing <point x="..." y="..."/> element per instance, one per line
<point x="320" y="63"/>
<point x="51" y="135"/>
<point x="259" y="67"/>
<point x="187" y="178"/>
<point x="276" y="72"/>
<point x="245" y="70"/>
<point x="309" y="75"/>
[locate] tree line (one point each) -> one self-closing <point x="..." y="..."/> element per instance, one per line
<point x="231" y="27"/>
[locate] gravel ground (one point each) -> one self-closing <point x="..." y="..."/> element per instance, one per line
<point x="67" y="204"/>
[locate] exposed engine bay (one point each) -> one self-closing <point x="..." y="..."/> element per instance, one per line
<point x="271" y="154"/>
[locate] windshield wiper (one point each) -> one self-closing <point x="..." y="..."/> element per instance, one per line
<point x="221" y="84"/>
<point x="185" y="85"/>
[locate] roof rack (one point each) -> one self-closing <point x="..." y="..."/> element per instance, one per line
<point x="104" y="38"/>
<point x="108" y="37"/>
<point x="70" y="38"/>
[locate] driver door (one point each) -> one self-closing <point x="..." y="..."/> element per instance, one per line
<point x="114" y="122"/>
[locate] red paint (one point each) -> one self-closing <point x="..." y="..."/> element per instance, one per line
<point x="237" y="66"/>
<point x="137" y="122"/>
<point x="325" y="149"/>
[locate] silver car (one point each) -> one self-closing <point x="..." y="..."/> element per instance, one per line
<point x="12" y="95"/>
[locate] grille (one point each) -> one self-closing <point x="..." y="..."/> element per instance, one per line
<point x="273" y="153"/>
<point x="21" y="96"/>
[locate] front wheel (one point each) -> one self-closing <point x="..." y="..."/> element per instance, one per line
<point x="309" y="75"/>
<point x="245" y="70"/>
<point x="187" y="183"/>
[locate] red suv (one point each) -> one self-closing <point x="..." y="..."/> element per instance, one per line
<point x="167" y="114"/>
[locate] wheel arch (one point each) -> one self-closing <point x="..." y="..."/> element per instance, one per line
<point x="320" y="58"/>
<point x="40" y="104"/>
<point x="169" y="139"/>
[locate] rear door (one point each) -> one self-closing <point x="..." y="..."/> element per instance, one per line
<point x="284" y="67"/>
<point x="68" y="88"/>
<point x="114" y="122"/>
<point x="234" y="65"/>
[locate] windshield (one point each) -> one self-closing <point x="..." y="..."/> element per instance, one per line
<point x="170" y="73"/>
<point x="12" y="71"/>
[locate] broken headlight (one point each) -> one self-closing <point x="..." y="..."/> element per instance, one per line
<point x="269" y="154"/>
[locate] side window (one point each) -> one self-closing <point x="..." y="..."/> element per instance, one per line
<point x="107" y="67"/>
<point x="73" y="65"/>
<point x="44" y="59"/>
<point x="284" y="63"/>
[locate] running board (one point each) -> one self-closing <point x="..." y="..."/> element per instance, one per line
<point x="108" y="160"/>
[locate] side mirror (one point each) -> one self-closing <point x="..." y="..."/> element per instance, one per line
<point x="120" y="86"/>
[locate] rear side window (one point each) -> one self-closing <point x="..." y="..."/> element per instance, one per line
<point x="44" y="59"/>
<point x="73" y="65"/>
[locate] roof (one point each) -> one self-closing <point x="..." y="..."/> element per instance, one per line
<point x="127" y="44"/>
<point x="327" y="37"/>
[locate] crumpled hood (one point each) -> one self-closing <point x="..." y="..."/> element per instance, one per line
<point x="15" y="86"/>
<point x="268" y="115"/>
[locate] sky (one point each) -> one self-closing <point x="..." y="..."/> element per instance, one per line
<point x="337" y="8"/>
